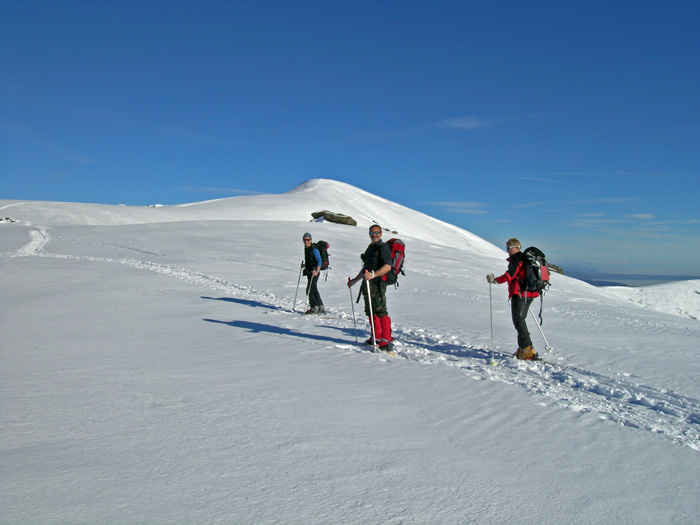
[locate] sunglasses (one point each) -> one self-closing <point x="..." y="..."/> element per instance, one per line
<point x="307" y="240"/>
<point x="375" y="233"/>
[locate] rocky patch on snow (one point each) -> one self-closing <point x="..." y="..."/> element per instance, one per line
<point x="337" y="218"/>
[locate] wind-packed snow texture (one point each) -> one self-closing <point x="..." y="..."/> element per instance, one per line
<point x="153" y="371"/>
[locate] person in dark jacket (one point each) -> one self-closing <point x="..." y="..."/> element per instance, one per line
<point x="312" y="270"/>
<point x="376" y="264"/>
<point x="520" y="299"/>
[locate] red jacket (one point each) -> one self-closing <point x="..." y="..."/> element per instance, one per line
<point x="514" y="276"/>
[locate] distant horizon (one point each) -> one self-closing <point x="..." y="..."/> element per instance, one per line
<point x="632" y="280"/>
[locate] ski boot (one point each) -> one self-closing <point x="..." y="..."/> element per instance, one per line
<point x="528" y="353"/>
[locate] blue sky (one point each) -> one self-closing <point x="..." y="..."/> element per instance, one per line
<point x="574" y="126"/>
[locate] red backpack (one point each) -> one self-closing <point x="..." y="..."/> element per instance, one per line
<point x="398" y="254"/>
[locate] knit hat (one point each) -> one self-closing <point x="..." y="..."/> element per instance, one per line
<point x="307" y="235"/>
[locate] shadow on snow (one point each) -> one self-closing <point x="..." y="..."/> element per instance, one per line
<point x="451" y="349"/>
<point x="246" y="302"/>
<point x="277" y="330"/>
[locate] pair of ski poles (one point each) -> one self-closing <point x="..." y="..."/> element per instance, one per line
<point x="307" y="289"/>
<point x="371" y="314"/>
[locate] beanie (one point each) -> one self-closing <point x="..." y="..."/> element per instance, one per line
<point x="307" y="234"/>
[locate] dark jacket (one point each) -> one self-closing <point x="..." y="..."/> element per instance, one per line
<point x="312" y="259"/>
<point x="376" y="255"/>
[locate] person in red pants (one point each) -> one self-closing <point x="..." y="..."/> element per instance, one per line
<point x="376" y="264"/>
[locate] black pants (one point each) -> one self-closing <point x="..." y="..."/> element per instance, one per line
<point x="519" y="308"/>
<point x="312" y="291"/>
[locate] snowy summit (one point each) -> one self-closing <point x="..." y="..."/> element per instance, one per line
<point x="157" y="369"/>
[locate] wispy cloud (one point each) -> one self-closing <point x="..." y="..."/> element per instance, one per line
<point x="595" y="222"/>
<point x="534" y="178"/>
<point x="182" y="133"/>
<point x="454" y="123"/>
<point x="218" y="191"/>
<point x="591" y="176"/>
<point x="634" y="226"/>
<point x="466" y="207"/>
<point x="28" y="134"/>
<point x="465" y="123"/>
<point x="529" y="205"/>
<point x="564" y="174"/>
<point x="604" y="200"/>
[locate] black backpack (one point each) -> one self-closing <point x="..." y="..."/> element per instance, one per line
<point x="323" y="250"/>
<point x="536" y="273"/>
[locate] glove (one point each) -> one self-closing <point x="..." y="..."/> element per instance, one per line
<point x="491" y="279"/>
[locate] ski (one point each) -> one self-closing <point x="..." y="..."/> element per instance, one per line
<point x="379" y="350"/>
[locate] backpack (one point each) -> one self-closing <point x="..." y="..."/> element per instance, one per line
<point x="323" y="250"/>
<point x="398" y="256"/>
<point x="536" y="273"/>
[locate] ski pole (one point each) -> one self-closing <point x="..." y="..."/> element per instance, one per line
<point x="352" y="305"/>
<point x="492" y="361"/>
<point x="371" y="315"/>
<point x="547" y="348"/>
<point x="298" y="281"/>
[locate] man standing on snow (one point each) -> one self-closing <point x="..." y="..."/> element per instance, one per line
<point x="520" y="299"/>
<point x="312" y="270"/>
<point x="376" y="264"/>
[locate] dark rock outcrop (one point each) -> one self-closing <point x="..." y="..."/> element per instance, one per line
<point x="338" y="218"/>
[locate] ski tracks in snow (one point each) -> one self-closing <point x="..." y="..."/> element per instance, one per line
<point x="662" y="412"/>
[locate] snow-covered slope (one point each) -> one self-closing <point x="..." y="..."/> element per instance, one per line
<point x="678" y="298"/>
<point x="295" y="205"/>
<point x="153" y="370"/>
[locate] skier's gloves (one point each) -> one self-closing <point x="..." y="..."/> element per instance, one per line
<point x="490" y="278"/>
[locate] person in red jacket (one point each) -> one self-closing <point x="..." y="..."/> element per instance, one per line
<point x="520" y="299"/>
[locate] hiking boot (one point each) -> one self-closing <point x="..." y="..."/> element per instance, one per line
<point x="385" y="346"/>
<point x="528" y="353"/>
<point x="321" y="310"/>
<point x="312" y="311"/>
